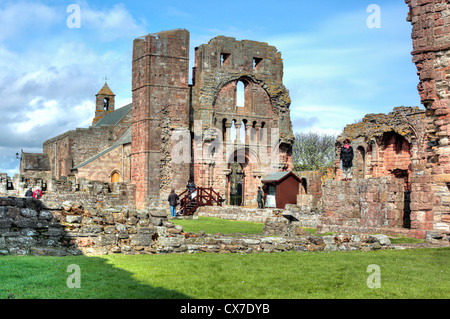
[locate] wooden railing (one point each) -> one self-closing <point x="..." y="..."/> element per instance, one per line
<point x="203" y="197"/>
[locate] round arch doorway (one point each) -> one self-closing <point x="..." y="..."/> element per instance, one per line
<point x="236" y="182"/>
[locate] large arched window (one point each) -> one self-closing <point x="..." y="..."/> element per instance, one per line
<point x="240" y="94"/>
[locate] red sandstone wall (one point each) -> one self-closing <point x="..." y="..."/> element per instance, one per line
<point x="160" y="104"/>
<point x="430" y="21"/>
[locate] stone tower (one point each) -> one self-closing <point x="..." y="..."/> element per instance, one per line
<point x="104" y="103"/>
<point x="160" y="75"/>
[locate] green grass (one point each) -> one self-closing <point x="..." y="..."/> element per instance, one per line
<point x="211" y="225"/>
<point x="406" y="240"/>
<point x="408" y="274"/>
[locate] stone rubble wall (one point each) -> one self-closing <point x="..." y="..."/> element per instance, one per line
<point x="28" y="227"/>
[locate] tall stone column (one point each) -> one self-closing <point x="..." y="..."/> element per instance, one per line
<point x="160" y="106"/>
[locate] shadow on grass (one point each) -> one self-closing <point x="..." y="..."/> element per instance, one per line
<point x="27" y="228"/>
<point x="31" y="277"/>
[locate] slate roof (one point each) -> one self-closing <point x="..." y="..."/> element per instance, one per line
<point x="278" y="176"/>
<point x="113" y="118"/>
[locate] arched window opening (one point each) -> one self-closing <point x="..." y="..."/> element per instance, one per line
<point x="360" y="163"/>
<point x="240" y="94"/>
<point x="233" y="131"/>
<point x="304" y="187"/>
<point x="242" y="133"/>
<point x="106" y="104"/>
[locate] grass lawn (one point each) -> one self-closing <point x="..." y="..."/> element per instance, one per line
<point x="211" y="225"/>
<point x="423" y="273"/>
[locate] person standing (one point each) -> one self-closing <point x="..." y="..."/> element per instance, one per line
<point x="259" y="198"/>
<point x="37" y="193"/>
<point x="173" y="202"/>
<point x="191" y="189"/>
<point x="347" y="160"/>
<point x="29" y="192"/>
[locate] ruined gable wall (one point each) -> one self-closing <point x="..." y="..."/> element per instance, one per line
<point x="219" y="66"/>
<point x="430" y="21"/>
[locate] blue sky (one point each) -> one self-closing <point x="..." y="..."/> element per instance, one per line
<point x="336" y="68"/>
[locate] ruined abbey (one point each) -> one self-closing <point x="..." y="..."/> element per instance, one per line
<point x="230" y="129"/>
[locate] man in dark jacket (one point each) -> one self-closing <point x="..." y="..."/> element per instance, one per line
<point x="347" y="160"/>
<point x="173" y="201"/>
<point x="259" y="198"/>
<point x="29" y="192"/>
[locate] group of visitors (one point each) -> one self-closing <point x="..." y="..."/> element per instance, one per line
<point x="174" y="198"/>
<point x="192" y="192"/>
<point x="36" y="194"/>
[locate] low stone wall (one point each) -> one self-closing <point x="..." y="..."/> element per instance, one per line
<point x="27" y="226"/>
<point x="239" y="213"/>
<point x="305" y="217"/>
<point x="257" y="244"/>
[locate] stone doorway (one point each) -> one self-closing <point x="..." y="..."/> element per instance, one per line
<point x="115" y="177"/>
<point x="236" y="185"/>
<point x="404" y="175"/>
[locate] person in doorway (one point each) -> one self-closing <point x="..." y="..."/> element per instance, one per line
<point x="37" y="193"/>
<point x="29" y="192"/>
<point x="173" y="202"/>
<point x="347" y="160"/>
<point x="259" y="198"/>
<point x="191" y="188"/>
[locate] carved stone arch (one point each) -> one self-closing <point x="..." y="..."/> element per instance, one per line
<point x="278" y="94"/>
<point x="250" y="155"/>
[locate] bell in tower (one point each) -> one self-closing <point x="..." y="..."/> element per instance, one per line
<point x="104" y="103"/>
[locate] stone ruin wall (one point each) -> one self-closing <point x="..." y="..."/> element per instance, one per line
<point x="27" y="227"/>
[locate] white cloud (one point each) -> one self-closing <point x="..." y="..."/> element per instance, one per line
<point x="48" y="83"/>
<point x="110" y="24"/>
<point x="16" y="18"/>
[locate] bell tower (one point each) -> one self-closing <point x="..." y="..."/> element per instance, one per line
<point x="104" y="103"/>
